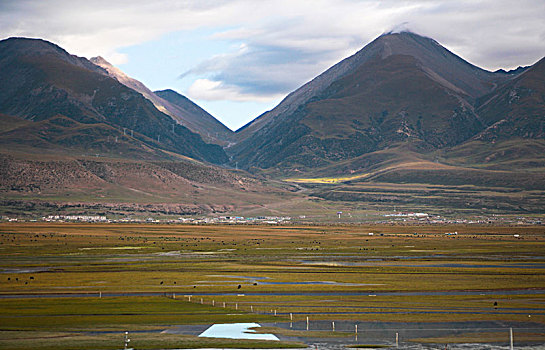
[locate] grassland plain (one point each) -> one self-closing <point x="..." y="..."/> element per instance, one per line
<point x="153" y="277"/>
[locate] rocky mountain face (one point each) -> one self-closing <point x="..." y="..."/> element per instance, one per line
<point x="177" y="106"/>
<point x="401" y="88"/>
<point x="44" y="84"/>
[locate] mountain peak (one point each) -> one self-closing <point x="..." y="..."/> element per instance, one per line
<point x="114" y="72"/>
<point x="443" y="66"/>
<point x="100" y="61"/>
<point x="14" y="48"/>
<point x="399" y="28"/>
<point x="24" y="46"/>
<point x="406" y="38"/>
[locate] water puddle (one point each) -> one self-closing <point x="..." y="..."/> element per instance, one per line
<point x="235" y="331"/>
<point x="112" y="248"/>
<point x="264" y="280"/>
<point x="424" y="265"/>
<point x="25" y="270"/>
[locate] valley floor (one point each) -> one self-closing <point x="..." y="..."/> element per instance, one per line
<point x="82" y="286"/>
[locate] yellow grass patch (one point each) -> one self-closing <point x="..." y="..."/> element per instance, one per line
<point x="327" y="180"/>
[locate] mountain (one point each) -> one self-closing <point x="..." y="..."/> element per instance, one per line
<point x="177" y="106"/>
<point x="400" y="88"/>
<point x="405" y="123"/>
<point x="514" y="126"/>
<point x="516" y="108"/>
<point x="196" y="118"/>
<point x="77" y="106"/>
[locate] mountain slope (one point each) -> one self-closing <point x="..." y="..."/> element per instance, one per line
<point x="180" y="108"/>
<point x="62" y="135"/>
<point x="514" y="120"/>
<point x="40" y="81"/>
<point x="195" y="118"/>
<point x="402" y="87"/>
<point x="440" y="62"/>
<point x="516" y="108"/>
<point x="83" y="184"/>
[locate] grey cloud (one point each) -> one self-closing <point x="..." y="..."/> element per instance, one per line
<point x="490" y="33"/>
<point x="287" y="42"/>
<point x="262" y="70"/>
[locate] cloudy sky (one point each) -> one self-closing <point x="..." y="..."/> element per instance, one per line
<point x="239" y="58"/>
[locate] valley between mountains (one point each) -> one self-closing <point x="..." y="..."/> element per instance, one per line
<point x="402" y="125"/>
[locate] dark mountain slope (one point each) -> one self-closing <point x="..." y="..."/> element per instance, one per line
<point x="442" y="64"/>
<point x="40" y="80"/>
<point x="399" y="88"/>
<point x="514" y="120"/>
<point x="195" y="118"/>
<point x="516" y="108"/>
<point x="62" y="135"/>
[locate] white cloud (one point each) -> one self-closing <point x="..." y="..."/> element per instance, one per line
<point x="209" y="90"/>
<point x="116" y="58"/>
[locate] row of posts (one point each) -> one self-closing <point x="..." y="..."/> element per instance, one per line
<point x="275" y="314"/>
<point x="332" y="323"/>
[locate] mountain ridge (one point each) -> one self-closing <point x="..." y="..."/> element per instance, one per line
<point x="316" y="85"/>
<point x="368" y="100"/>
<point x="186" y="112"/>
<point x="41" y="80"/>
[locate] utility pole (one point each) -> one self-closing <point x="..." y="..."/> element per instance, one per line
<point x="127" y="340"/>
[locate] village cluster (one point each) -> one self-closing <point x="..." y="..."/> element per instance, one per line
<point x="402" y="218"/>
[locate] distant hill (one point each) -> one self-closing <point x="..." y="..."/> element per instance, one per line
<point x="44" y="84"/>
<point x="196" y="118"/>
<point x="177" y="106"/>
<point x="516" y="108"/>
<point x="59" y="183"/>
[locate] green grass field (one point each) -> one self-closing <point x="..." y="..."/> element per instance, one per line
<point x="320" y="272"/>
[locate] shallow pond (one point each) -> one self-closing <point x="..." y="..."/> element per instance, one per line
<point x="235" y="331"/>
